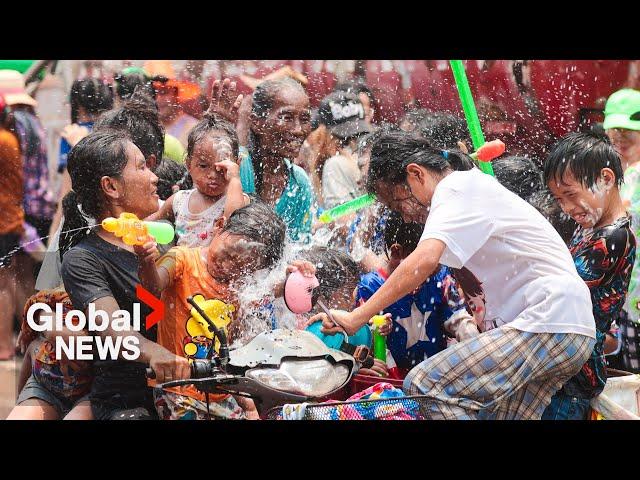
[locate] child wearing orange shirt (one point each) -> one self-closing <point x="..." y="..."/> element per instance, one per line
<point x="251" y="239"/>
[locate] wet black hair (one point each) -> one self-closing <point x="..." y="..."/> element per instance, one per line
<point x="335" y="269"/>
<point x="444" y="130"/>
<point x="366" y="141"/>
<point x="406" y="234"/>
<point x="212" y="123"/>
<point x="597" y="128"/>
<point x="92" y="94"/>
<point x="126" y="84"/>
<point x="518" y="174"/>
<point x="544" y="202"/>
<point x="263" y="99"/>
<point x="257" y="222"/>
<point x="392" y="152"/>
<point x="414" y="117"/>
<point x="99" y="154"/>
<point x="138" y="117"/>
<point x="169" y="173"/>
<point x="584" y="154"/>
<point x="356" y="86"/>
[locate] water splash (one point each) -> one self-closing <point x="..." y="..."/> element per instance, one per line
<point x="22" y="246"/>
<point x="258" y="306"/>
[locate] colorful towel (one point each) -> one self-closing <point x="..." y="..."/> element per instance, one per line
<point x="397" y="407"/>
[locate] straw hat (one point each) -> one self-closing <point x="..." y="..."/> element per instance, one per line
<point x="13" y="89"/>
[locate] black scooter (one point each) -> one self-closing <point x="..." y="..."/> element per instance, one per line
<point x="276" y="367"/>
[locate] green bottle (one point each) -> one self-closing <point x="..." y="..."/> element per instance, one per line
<point x="379" y="341"/>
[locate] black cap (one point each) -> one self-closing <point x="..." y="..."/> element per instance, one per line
<point x="343" y="114"/>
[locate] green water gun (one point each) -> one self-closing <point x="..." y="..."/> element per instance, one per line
<point x="470" y="113"/>
<point x="351" y="206"/>
<point x="134" y="231"/>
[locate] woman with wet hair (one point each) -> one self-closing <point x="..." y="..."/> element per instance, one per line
<point x="276" y="119"/>
<point x="280" y="121"/>
<point x="109" y="176"/>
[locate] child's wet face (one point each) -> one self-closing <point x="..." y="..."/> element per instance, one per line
<point x="585" y="205"/>
<point x="627" y="143"/>
<point x="207" y="178"/>
<point x="232" y="256"/>
<point x="138" y="185"/>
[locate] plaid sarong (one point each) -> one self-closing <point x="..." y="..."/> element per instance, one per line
<point x="504" y="373"/>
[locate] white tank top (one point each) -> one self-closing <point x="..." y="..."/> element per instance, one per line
<point x="195" y="230"/>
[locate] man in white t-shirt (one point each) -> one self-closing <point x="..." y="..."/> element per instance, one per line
<point x="534" y="310"/>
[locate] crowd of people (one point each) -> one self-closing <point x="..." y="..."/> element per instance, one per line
<point x="506" y="297"/>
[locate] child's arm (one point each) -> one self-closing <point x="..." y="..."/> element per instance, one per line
<point x="165" y="212"/>
<point x="235" y="196"/>
<point x="153" y="278"/>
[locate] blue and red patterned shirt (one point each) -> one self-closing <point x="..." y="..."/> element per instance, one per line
<point x="38" y="200"/>
<point x="418" y="318"/>
<point x="604" y="259"/>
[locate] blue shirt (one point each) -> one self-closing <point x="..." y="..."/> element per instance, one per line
<point x="418" y="318"/>
<point x="65" y="148"/>
<point x="294" y="205"/>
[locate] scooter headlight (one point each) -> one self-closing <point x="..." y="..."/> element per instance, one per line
<point x="313" y="378"/>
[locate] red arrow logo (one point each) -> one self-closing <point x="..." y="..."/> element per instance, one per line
<point x="157" y="307"/>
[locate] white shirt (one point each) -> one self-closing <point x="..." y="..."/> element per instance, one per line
<point x="340" y="177"/>
<point x="524" y="268"/>
<point x="195" y="229"/>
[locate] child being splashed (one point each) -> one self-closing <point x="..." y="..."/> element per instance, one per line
<point x="251" y="239"/>
<point x="583" y="172"/>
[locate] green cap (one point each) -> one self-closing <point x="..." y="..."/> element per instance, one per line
<point x="133" y="70"/>
<point x="621" y="106"/>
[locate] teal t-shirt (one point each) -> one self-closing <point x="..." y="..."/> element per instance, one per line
<point x="294" y="205"/>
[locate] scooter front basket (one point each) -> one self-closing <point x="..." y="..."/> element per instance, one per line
<point x="399" y="408"/>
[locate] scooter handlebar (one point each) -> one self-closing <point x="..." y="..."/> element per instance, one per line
<point x="199" y="369"/>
